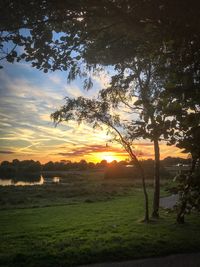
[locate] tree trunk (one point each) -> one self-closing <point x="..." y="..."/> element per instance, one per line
<point x="156" y="197"/>
<point x="145" y="197"/>
<point x="129" y="150"/>
<point x="180" y="219"/>
<point x="181" y="213"/>
<point x="146" y="200"/>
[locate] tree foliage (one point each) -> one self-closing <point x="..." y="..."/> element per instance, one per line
<point x="62" y="34"/>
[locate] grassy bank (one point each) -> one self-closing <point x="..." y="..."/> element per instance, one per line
<point x="75" y="187"/>
<point x="90" y="232"/>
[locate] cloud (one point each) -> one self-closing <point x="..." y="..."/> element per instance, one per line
<point x="28" y="97"/>
<point x="89" y="149"/>
<point x="27" y="100"/>
<point x="55" y="79"/>
<point x="6" y="152"/>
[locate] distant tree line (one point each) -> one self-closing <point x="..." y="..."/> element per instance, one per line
<point x="17" y="168"/>
<point x="114" y="169"/>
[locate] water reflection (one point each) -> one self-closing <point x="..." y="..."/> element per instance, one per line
<point x="56" y="179"/>
<point x="29" y="181"/>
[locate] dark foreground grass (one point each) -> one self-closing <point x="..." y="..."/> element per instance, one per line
<point x="91" y="232"/>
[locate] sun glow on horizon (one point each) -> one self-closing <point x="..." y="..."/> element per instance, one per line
<point x="109" y="156"/>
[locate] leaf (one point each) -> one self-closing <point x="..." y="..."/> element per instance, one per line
<point x="10" y="58"/>
<point x="138" y="102"/>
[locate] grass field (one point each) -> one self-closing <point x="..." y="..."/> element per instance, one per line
<point x="75" y="187"/>
<point x="89" y="230"/>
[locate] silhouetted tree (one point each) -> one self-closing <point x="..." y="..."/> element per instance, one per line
<point x="97" y="112"/>
<point x="187" y="138"/>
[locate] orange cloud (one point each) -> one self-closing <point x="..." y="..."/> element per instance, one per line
<point x="88" y="150"/>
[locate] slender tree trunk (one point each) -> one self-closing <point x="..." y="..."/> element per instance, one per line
<point x="146" y="200"/>
<point x="145" y="197"/>
<point x="180" y="219"/>
<point x="129" y="150"/>
<point x="156" y="197"/>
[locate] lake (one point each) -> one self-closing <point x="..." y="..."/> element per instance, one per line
<point x="26" y="181"/>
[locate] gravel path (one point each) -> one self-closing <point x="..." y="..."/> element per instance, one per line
<point x="168" y="202"/>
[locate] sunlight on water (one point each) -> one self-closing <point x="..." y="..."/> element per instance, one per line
<point x="23" y="183"/>
<point x="41" y="181"/>
<point x="56" y="180"/>
<point x="5" y="182"/>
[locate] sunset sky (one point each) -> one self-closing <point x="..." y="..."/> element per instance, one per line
<point x="28" y="97"/>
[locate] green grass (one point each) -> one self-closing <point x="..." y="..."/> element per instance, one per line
<point x="86" y="219"/>
<point x="91" y="232"/>
<point x="85" y="186"/>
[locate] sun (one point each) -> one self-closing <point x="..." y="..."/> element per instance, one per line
<point x="109" y="158"/>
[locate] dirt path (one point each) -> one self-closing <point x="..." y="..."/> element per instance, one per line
<point x="179" y="260"/>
